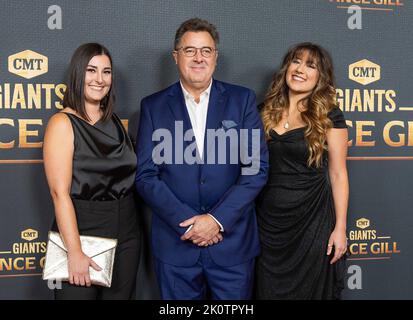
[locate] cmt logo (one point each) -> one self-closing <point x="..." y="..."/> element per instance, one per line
<point x="29" y="235"/>
<point x="28" y="64"/>
<point x="364" y="72"/>
<point x="363" y="223"/>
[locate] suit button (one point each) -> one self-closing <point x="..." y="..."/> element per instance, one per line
<point x="202" y="181"/>
<point x="202" y="208"/>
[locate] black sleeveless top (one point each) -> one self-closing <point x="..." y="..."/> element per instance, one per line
<point x="104" y="161"/>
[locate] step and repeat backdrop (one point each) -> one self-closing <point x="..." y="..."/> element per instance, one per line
<point x="371" y="45"/>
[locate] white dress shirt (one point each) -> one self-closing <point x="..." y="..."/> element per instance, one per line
<point x="198" y="116"/>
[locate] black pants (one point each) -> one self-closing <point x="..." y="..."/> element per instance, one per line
<point x="110" y="219"/>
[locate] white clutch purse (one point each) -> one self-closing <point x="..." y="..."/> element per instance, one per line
<point x="101" y="250"/>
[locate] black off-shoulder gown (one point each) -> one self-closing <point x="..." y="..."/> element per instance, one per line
<point x="295" y="218"/>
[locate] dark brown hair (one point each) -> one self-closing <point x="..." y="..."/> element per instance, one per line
<point x="196" y="25"/>
<point x="74" y="96"/>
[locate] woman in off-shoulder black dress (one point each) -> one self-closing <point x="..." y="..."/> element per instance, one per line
<point x="302" y="209"/>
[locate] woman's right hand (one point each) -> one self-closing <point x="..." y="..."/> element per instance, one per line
<point x="78" y="264"/>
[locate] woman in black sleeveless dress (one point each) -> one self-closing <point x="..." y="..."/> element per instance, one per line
<point x="90" y="166"/>
<point x="302" y="210"/>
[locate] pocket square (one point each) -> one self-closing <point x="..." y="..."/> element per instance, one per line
<point x="228" y="124"/>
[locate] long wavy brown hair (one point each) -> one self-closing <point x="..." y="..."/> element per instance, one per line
<point x="317" y="103"/>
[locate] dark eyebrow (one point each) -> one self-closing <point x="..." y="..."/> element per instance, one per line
<point x="94" y="67"/>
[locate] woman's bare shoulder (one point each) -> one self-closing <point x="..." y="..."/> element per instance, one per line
<point x="60" y="122"/>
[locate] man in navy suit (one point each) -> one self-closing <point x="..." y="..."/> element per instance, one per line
<point x="201" y="188"/>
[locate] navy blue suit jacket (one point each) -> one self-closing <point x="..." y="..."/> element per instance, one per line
<point x="176" y="192"/>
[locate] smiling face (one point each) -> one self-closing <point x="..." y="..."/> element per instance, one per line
<point x="302" y="74"/>
<point x="195" y="72"/>
<point x="98" y="79"/>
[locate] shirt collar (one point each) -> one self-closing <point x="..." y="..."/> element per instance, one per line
<point x="187" y="95"/>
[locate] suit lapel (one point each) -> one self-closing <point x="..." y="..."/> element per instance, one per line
<point x="177" y="106"/>
<point x="216" y="108"/>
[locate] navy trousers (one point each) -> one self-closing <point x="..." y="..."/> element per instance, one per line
<point x="205" y="280"/>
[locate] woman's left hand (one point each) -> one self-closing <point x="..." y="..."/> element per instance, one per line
<point x="337" y="239"/>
